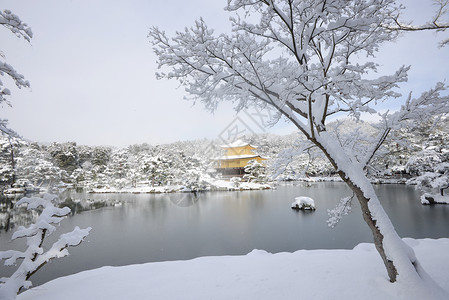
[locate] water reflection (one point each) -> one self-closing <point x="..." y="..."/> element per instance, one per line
<point x="185" y="199"/>
<point x="12" y="216"/>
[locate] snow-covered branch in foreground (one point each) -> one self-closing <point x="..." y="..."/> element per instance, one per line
<point x="35" y="256"/>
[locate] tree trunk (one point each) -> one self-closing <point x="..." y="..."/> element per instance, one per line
<point x="13" y="163"/>
<point x="377" y="235"/>
<point x="357" y="181"/>
<point x="442" y="190"/>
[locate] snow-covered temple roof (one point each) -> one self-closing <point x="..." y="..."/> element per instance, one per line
<point x="237" y="143"/>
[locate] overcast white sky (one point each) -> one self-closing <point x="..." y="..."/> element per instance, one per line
<point x="91" y="69"/>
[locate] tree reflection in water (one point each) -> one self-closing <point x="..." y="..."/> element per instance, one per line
<point x="12" y="216"/>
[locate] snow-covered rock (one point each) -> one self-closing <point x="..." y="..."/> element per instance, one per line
<point x="304" y="203"/>
<point x="428" y="199"/>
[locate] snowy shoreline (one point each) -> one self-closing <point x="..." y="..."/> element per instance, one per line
<point x="212" y="185"/>
<point x="304" y="274"/>
<point x="224" y="185"/>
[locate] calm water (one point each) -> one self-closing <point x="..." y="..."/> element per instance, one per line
<point x="148" y="228"/>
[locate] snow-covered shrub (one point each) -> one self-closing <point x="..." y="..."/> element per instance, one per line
<point x="195" y="181"/>
<point x="235" y="181"/>
<point x="423" y="161"/>
<point x="35" y="256"/>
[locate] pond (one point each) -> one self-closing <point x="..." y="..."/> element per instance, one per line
<point x="143" y="228"/>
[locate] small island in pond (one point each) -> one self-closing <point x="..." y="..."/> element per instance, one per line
<point x="303" y="203"/>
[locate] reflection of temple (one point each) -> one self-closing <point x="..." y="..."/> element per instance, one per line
<point x="236" y="157"/>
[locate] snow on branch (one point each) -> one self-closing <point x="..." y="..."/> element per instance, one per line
<point x="313" y="75"/>
<point x="437" y="23"/>
<point x="7" y="131"/>
<point x="13" y="23"/>
<point x="35" y="256"/>
<point x="430" y="104"/>
<point x="343" y="208"/>
<point x="18" y="79"/>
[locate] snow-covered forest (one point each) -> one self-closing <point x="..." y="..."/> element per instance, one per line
<point x="189" y="164"/>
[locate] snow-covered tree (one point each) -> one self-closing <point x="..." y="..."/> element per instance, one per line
<point x="9" y="148"/>
<point x="65" y="155"/>
<point x="431" y="169"/>
<point x="101" y="157"/>
<point x="36" y="166"/>
<point x="255" y="172"/>
<point x="14" y="24"/>
<point x="35" y="256"/>
<point x="302" y="58"/>
<point x="157" y="170"/>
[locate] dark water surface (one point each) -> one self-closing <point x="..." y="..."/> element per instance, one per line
<point x="161" y="227"/>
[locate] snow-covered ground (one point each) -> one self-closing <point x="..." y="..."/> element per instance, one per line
<point x="305" y="274"/>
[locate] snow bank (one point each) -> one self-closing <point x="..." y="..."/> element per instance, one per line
<point x="303" y="202"/>
<point x="305" y="274"/>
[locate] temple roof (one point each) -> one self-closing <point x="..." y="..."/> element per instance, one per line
<point x="237" y="143"/>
